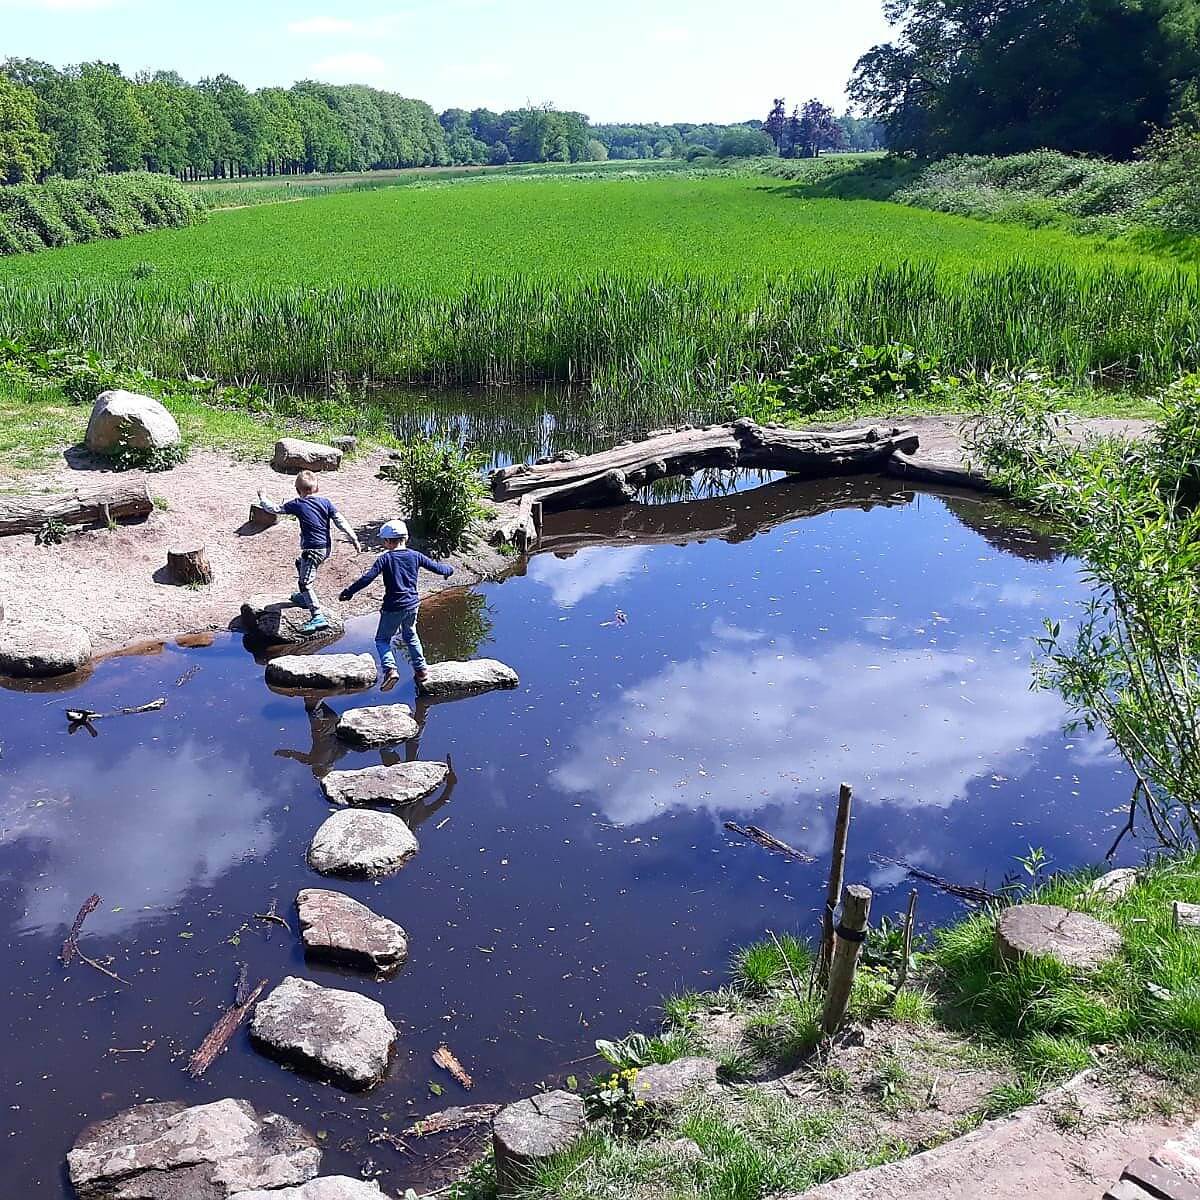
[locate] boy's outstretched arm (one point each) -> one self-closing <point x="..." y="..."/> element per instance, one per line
<point x="357" y="586"/>
<point x="352" y="537"/>
<point x="269" y="505"/>
<point x="443" y="569"/>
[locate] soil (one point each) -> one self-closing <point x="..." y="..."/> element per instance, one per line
<point x="113" y="582"/>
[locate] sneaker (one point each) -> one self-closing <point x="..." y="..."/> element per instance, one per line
<point x="315" y="624"/>
<point x="389" y="681"/>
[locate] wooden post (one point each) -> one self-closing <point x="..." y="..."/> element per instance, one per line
<point x="909" y="920"/>
<point x="189" y="566"/>
<point x="837" y="873"/>
<point x="850" y="935"/>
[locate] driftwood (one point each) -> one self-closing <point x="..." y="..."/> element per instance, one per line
<point x="85" y="716"/>
<point x="519" y="526"/>
<point x="769" y="841"/>
<point x="218" y="1036"/>
<point x="444" y="1057"/>
<point x="450" y="1119"/>
<point x="961" y="891"/>
<point x="190" y="566"/>
<point x="120" y="501"/>
<point x="71" y="946"/>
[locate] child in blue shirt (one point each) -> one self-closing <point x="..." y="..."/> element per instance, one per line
<point x="399" y="567"/>
<point x="315" y="515"/>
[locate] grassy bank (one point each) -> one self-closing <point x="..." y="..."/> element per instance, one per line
<point x="972" y="1038"/>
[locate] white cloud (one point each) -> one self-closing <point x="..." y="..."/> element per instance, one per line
<point x="586" y="571"/>
<point x="62" y="5"/>
<point x="672" y="35"/>
<point x="354" y="67"/>
<point x="321" y="25"/>
<point x="735" y="732"/>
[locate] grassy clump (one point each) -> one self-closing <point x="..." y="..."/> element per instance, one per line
<point x="441" y="488"/>
<point x="67" y="212"/>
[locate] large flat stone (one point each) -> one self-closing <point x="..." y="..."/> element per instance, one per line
<point x="122" y="419"/>
<point x="381" y="725"/>
<point x="360" y="844"/>
<point x="531" y="1131"/>
<point x="294" y="455"/>
<point x="331" y="1187"/>
<point x="1047" y="931"/>
<point x="36" y="650"/>
<point x="278" y="622"/>
<point x="404" y="783"/>
<point x="340" y="1036"/>
<point x="169" y="1151"/>
<point x="336" y="927"/>
<point x="665" y="1084"/>
<point x="1114" y="885"/>
<point x="464" y="678"/>
<point x="322" y="672"/>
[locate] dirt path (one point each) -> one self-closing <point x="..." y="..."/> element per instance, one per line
<point x="112" y="582"/>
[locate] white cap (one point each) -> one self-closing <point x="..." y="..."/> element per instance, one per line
<point x="394" y="530"/>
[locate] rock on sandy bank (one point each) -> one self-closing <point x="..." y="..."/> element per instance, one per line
<point x="31" y="650"/>
<point x="360" y="844"/>
<point x="169" y="1151"/>
<point x="125" y="419"/>
<point x="293" y="455"/>
<point x="336" y="927"/>
<point x="338" y="1035"/>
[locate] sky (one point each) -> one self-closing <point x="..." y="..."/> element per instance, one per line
<point x="619" y="60"/>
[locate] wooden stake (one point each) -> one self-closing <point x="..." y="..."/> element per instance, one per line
<point x="909" y="919"/>
<point x="837" y="874"/>
<point x="849" y="937"/>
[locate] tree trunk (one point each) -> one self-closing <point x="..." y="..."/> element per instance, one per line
<point x="190" y="566"/>
<point x="29" y="514"/>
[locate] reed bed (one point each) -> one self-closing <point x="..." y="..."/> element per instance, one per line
<point x="656" y="343"/>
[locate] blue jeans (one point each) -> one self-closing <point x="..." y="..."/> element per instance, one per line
<point x="307" y="566"/>
<point x="400" y="626"/>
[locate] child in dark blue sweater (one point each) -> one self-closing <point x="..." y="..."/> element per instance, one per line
<point x="398" y="616"/>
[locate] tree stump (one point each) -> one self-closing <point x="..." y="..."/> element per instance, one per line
<point x="189" y="566"/>
<point x="531" y="1131"/>
<point x="1047" y="931"/>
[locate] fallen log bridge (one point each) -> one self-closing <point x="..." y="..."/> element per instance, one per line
<point x="615" y="476"/>
<point x="29" y="514"/>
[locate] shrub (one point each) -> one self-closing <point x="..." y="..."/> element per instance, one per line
<point x="440" y="487"/>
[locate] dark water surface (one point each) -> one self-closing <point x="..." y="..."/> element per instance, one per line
<point x="769" y="645"/>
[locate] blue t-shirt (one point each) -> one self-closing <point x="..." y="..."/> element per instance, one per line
<point x="399" y="569"/>
<point x="314" y="514"/>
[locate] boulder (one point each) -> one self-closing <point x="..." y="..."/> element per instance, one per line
<point x="404" y="783"/>
<point x="168" y="1151"/>
<point x="1047" y="931"/>
<point x="462" y="678"/>
<point x="340" y="1036"/>
<point x="126" y="420"/>
<point x="322" y="672"/>
<point x="360" y="844"/>
<point x="1114" y="885"/>
<point x="383" y="725"/>
<point x="35" y="650"/>
<point x="335" y="927"/>
<point x="331" y="1187"/>
<point x="293" y="455"/>
<point x="530" y="1131"/>
<point x="278" y="622"/>
<point x="665" y="1084"/>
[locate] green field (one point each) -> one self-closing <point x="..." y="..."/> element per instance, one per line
<point x="654" y="288"/>
<point x="441" y="237"/>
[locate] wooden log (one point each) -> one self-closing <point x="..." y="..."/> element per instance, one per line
<point x="817" y="454"/>
<point x="848" y="939"/>
<point x="837" y="872"/>
<point x="190" y="566"/>
<point x="521" y="527"/>
<point x="611" y="487"/>
<point x="125" y="500"/>
<point x="769" y="841"/>
<point x="218" y="1036"/>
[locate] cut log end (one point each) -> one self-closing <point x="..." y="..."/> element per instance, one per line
<point x="189" y="567"/>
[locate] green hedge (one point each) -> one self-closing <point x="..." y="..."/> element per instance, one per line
<point x="63" y="212"/>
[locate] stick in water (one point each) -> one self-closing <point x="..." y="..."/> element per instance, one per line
<point x="218" y="1037"/>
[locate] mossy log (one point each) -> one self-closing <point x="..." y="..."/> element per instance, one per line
<point x="121" y="501"/>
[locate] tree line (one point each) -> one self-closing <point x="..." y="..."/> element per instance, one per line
<point x="814" y="127"/>
<point x="1002" y="77"/>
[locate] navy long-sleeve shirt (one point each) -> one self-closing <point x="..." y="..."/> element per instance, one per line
<point x="399" y="569"/>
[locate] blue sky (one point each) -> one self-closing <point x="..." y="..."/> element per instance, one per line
<point x="619" y="60"/>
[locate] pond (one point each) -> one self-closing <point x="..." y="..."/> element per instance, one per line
<point x="734" y="658"/>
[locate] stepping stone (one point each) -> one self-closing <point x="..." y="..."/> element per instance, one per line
<point x="338" y="928"/>
<point x="1047" y="931"/>
<point x="359" y="844"/>
<point x="322" y="672"/>
<point x="337" y="1035"/>
<point x="1114" y="885"/>
<point x="277" y="621"/>
<point x="404" y="783"/>
<point x="293" y="455"/>
<point x="35" y="650"/>
<point x="665" y="1084"/>
<point x="331" y="1187"/>
<point x="463" y="678"/>
<point x="529" y="1132"/>
<point x="383" y="725"/>
<point x="166" y="1150"/>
